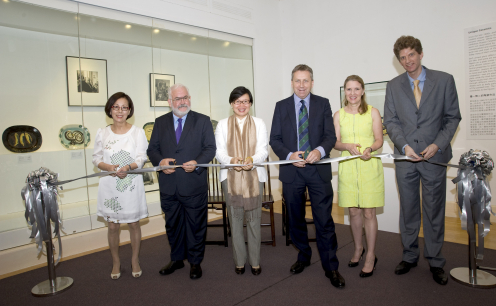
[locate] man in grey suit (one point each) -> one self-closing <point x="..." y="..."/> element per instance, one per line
<point x="421" y="115"/>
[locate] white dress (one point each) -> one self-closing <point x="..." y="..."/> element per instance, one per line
<point x="121" y="200"/>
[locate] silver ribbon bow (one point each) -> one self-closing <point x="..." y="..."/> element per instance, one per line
<point x="474" y="195"/>
<point x="40" y="195"/>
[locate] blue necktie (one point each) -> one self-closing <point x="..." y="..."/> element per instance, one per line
<point x="303" y="143"/>
<point x="179" y="129"/>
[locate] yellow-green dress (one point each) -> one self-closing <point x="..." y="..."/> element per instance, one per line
<point x="360" y="182"/>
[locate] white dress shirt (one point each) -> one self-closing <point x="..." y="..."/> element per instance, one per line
<point x="261" y="151"/>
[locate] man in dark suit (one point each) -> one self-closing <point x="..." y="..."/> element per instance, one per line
<point x="421" y="115"/>
<point x="183" y="137"/>
<point x="302" y="129"/>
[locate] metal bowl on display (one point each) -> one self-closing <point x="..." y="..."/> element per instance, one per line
<point x="74" y="136"/>
<point x="22" y="138"/>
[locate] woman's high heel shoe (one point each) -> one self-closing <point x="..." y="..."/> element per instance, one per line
<point x="116" y="275"/>
<point x="353" y="264"/>
<point x="367" y="274"/>
<point x="136" y="274"/>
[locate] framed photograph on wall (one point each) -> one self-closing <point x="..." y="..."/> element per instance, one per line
<point x="86" y="81"/>
<point x="376" y="96"/>
<point x="160" y="85"/>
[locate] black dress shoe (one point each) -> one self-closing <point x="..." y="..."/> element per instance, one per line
<point x="336" y="279"/>
<point x="256" y="271"/>
<point x="352" y="264"/>
<point x="195" y="272"/>
<point x="439" y="276"/>
<point x="171" y="267"/>
<point x="239" y="270"/>
<point x="404" y="267"/>
<point x="367" y="274"/>
<point x="299" y="266"/>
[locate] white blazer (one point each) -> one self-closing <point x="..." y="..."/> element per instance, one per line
<point x="261" y="152"/>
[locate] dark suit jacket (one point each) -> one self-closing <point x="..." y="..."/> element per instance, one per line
<point x="284" y="134"/>
<point x="435" y="121"/>
<point x="197" y="143"/>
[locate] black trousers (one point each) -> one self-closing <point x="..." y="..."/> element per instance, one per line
<point x="186" y="225"/>
<point x="321" y="195"/>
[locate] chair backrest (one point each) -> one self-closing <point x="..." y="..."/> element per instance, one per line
<point x="267" y="191"/>
<point x="215" y="193"/>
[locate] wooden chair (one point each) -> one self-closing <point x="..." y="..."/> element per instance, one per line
<point x="285" y="219"/>
<point x="216" y="201"/>
<point x="267" y="203"/>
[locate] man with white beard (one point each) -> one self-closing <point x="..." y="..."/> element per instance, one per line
<point x="186" y="138"/>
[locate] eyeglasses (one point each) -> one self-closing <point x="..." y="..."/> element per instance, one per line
<point x="179" y="99"/>
<point x="123" y="108"/>
<point x="246" y="102"/>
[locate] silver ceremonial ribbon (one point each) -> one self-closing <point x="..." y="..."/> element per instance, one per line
<point x="277" y="162"/>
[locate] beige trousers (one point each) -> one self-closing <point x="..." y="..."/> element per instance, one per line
<point x="237" y="217"/>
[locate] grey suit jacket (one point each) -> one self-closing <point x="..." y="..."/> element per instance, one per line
<point x="435" y="121"/>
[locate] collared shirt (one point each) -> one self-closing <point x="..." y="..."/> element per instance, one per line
<point x="176" y="118"/>
<point x="176" y="123"/>
<point x="297" y="103"/>
<point x="421" y="78"/>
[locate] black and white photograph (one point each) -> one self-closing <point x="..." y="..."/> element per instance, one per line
<point x="160" y="85"/>
<point x="162" y="90"/>
<point x="86" y="81"/>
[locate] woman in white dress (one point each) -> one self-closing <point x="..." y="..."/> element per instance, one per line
<point x="121" y="146"/>
<point x="242" y="139"/>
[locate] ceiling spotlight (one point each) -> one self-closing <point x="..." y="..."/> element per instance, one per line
<point x="193" y="38"/>
<point x="128" y="26"/>
<point x="226" y="44"/>
<point x="156" y="31"/>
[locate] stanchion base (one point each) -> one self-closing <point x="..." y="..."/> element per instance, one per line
<point x="484" y="280"/>
<point x="44" y="289"/>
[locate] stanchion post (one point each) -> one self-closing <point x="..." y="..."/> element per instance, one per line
<point x="54" y="284"/>
<point x="472" y="276"/>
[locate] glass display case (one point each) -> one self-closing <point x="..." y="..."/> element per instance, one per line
<point x="58" y="70"/>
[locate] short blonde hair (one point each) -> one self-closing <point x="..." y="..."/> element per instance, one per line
<point x="302" y="67"/>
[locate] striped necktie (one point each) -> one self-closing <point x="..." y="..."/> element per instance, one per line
<point x="303" y="143"/>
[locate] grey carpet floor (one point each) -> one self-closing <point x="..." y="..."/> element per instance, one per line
<point x="275" y="286"/>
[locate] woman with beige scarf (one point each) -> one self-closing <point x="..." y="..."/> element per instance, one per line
<point x="242" y="139"/>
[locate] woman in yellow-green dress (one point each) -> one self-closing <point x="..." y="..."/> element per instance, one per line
<point x="361" y="180"/>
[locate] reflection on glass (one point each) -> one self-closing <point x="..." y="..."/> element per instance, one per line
<point x="108" y="56"/>
<point x="37" y="40"/>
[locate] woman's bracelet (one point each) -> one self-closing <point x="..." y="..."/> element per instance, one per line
<point x="369" y="148"/>
<point x="130" y="167"/>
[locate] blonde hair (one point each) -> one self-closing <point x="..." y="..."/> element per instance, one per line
<point x="363" y="107"/>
